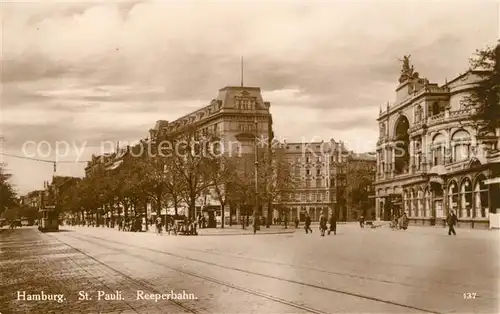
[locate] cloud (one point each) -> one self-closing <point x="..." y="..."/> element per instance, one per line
<point x="93" y="70"/>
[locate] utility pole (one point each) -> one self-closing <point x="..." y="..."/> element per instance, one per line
<point x="270" y="138"/>
<point x="256" y="209"/>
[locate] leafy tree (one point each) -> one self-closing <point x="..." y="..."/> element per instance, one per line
<point x="7" y="192"/>
<point x="485" y="98"/>
<point x="359" y="180"/>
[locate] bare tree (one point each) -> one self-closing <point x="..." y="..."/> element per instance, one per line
<point x="190" y="154"/>
<point x="220" y="172"/>
<point x="277" y="178"/>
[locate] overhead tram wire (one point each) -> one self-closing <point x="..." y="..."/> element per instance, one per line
<point x="43" y="160"/>
<point x="54" y="162"/>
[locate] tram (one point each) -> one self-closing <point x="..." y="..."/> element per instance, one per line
<point x="49" y="219"/>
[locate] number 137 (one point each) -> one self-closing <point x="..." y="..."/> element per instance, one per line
<point x="469" y="296"/>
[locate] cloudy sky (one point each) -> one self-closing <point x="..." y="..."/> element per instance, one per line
<point x="85" y="72"/>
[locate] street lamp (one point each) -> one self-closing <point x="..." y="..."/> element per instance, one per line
<point x="256" y="209"/>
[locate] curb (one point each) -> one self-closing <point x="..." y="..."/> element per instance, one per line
<point x="242" y="234"/>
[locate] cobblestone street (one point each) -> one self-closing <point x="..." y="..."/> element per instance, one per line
<point x="356" y="271"/>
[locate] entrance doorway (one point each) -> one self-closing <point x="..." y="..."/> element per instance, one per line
<point x="437" y="196"/>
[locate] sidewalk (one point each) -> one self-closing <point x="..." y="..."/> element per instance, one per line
<point x="228" y="230"/>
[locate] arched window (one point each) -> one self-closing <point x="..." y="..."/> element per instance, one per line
<point x="460" y="143"/>
<point x="465" y="198"/>
<point x="438" y="146"/>
<point x="453" y="197"/>
<point x="481" y="202"/>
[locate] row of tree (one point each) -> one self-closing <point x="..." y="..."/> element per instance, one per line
<point x="7" y="192"/>
<point x="190" y="168"/>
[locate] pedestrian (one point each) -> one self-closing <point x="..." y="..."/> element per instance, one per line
<point x="362" y="221"/>
<point x="333" y="224"/>
<point x="158" y="225"/>
<point x="404" y="221"/>
<point x="286" y="221"/>
<point x="307" y="223"/>
<point x="255" y="223"/>
<point x="322" y="223"/>
<point x="297" y="222"/>
<point x="452" y="221"/>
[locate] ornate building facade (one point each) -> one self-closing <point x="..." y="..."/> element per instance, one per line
<point x="429" y="157"/>
<point x="320" y="170"/>
<point x="238" y="116"/>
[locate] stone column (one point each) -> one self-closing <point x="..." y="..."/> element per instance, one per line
<point x="386" y="161"/>
<point x="411" y="151"/>
<point x="393" y="161"/>
<point x="445" y="201"/>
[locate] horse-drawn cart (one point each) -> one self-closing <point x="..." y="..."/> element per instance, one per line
<point x="182" y="227"/>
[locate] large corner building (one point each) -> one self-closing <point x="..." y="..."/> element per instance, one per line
<point x="429" y="157"/>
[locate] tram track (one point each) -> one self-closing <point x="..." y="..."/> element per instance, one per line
<point x="199" y="276"/>
<point x="251" y="291"/>
<point x="138" y="282"/>
<point x="328" y="272"/>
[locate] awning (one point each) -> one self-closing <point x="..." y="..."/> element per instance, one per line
<point x="492" y="181"/>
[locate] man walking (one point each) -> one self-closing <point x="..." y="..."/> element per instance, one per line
<point x="158" y="225"/>
<point x="286" y="221"/>
<point x="307" y="223"/>
<point x="322" y="223"/>
<point x="452" y="221"/>
<point x="333" y="224"/>
<point x="255" y="224"/>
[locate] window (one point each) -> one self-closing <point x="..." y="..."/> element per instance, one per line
<point x="318" y="183"/>
<point x="307" y="159"/>
<point x="460" y="145"/>
<point x="303" y="197"/>
<point x="438" y="145"/>
<point x="318" y="159"/>
<point x="308" y="172"/>
<point x="308" y="183"/>
<point x="318" y="172"/>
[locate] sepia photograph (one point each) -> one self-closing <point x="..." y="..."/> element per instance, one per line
<point x="250" y="156"/>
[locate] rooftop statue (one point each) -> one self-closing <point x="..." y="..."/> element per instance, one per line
<point x="406" y="64"/>
<point x="407" y="71"/>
